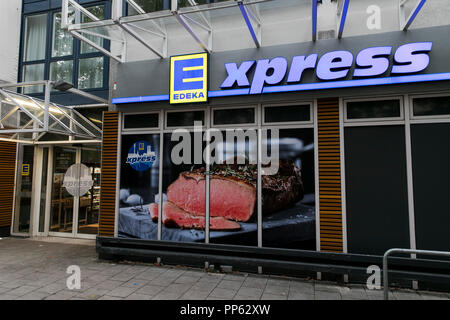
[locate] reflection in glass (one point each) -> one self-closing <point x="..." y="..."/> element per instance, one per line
<point x="90" y="74"/>
<point x="431" y="106"/>
<point x="99" y="12"/>
<point x="62" y="70"/>
<point x="373" y="109"/>
<point x="234" y="116"/>
<point x="62" y="44"/>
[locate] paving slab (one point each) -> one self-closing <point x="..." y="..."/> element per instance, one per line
<point x="35" y="270"/>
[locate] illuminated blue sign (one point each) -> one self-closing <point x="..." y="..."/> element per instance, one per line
<point x="334" y="65"/>
<point x="335" y="69"/>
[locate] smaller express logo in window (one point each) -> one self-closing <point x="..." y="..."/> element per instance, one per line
<point x="141" y="156"/>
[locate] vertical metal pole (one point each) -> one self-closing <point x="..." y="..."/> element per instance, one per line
<point x="259" y="190"/>
<point x="207" y="184"/>
<point x="259" y="187"/>
<point x="385" y="276"/>
<point x="160" y="178"/>
<point x="48" y="197"/>
<point x="46" y="104"/>
<point x="64" y="14"/>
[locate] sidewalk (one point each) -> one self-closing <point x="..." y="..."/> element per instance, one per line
<point x="31" y="269"/>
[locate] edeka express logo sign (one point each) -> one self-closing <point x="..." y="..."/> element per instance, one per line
<point x="189" y="78"/>
<point x="141" y="156"/>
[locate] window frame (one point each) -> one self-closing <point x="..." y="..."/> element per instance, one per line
<point x="293" y="103"/>
<point x="235" y="125"/>
<point x="169" y="129"/>
<point x="76" y="55"/>
<point x="427" y="95"/>
<point x="139" y="130"/>
<point x="401" y="117"/>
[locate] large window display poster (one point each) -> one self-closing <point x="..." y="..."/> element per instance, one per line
<point x="139" y="185"/>
<point x="233" y="187"/>
<point x="287" y="193"/>
<point x="184" y="187"/>
<point x="288" y="201"/>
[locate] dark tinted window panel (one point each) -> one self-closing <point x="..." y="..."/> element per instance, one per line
<point x="287" y="113"/>
<point x="185" y="119"/>
<point x="431" y="173"/>
<point x="376" y="189"/>
<point x="234" y="116"/>
<point x="432" y="106"/>
<point x="373" y="109"/>
<point x="146" y="120"/>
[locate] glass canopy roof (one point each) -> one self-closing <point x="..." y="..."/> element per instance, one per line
<point x="26" y="119"/>
<point x="152" y="24"/>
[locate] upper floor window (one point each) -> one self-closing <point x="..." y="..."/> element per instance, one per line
<point x="51" y="53"/>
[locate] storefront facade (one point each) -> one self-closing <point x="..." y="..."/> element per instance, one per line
<point x="368" y="135"/>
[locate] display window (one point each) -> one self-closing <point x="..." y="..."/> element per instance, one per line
<point x="236" y="175"/>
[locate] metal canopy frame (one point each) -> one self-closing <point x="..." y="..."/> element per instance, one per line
<point x="406" y="22"/>
<point x="314" y="19"/>
<point x="199" y="28"/>
<point x="22" y="115"/>
<point x="342" y="14"/>
<point x="128" y="24"/>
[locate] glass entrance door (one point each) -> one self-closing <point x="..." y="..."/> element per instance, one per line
<point x="74" y="185"/>
<point x="89" y="202"/>
<point x="62" y="202"/>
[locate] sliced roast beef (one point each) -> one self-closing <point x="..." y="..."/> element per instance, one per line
<point x="233" y="190"/>
<point x="174" y="216"/>
<point x="230" y="197"/>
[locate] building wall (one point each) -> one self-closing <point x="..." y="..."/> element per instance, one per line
<point x="10" y="21"/>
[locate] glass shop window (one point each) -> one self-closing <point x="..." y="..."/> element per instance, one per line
<point x="234" y="116"/>
<point x="293" y="113"/>
<point x="185" y="119"/>
<point x="431" y="106"/>
<point x="376" y="109"/>
<point x="138" y="121"/>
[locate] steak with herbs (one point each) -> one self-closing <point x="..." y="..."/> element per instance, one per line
<point x="233" y="190"/>
<point x="173" y="216"/>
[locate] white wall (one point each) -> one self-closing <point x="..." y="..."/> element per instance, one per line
<point x="10" y="21"/>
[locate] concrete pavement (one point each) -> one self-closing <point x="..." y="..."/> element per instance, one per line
<point x="36" y="270"/>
